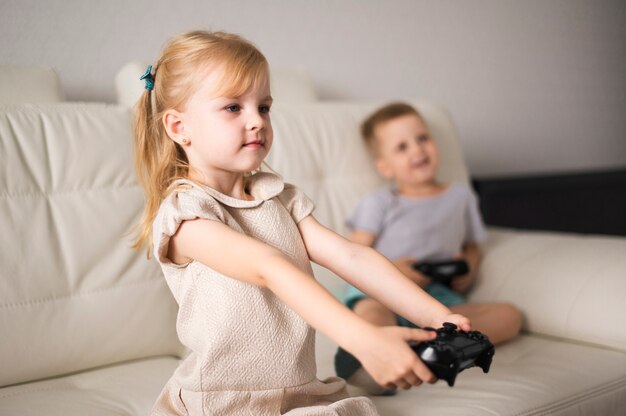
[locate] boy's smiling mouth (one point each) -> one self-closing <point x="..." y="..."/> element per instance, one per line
<point x="421" y="163"/>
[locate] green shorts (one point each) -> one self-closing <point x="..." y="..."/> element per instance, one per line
<point x="442" y="293"/>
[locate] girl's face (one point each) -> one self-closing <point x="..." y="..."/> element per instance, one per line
<point x="406" y="152"/>
<point x="227" y="134"/>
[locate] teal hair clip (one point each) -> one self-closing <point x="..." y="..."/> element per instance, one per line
<point x="148" y="77"/>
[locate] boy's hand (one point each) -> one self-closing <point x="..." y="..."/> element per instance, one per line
<point x="471" y="255"/>
<point x="461" y="284"/>
<point x="405" y="265"/>
<point x="387" y="357"/>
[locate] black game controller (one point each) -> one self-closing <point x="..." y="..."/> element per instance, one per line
<point x="453" y="351"/>
<point x="442" y="271"/>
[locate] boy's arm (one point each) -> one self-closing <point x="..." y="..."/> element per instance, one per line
<point x="366" y="269"/>
<point x="471" y="254"/>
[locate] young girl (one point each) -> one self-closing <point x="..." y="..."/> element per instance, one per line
<point x="235" y="248"/>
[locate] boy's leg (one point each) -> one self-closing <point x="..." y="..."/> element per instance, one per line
<point x="501" y="322"/>
<point x="374" y="312"/>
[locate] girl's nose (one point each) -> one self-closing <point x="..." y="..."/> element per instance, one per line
<point x="255" y="121"/>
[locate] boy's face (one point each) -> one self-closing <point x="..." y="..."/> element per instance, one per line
<point x="405" y="151"/>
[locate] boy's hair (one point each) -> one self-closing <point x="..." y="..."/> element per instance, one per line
<point x="386" y="113"/>
<point x="184" y="63"/>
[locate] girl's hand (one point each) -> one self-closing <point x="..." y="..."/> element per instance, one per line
<point x="387" y="357"/>
<point x="405" y="265"/>
<point x="459" y="320"/>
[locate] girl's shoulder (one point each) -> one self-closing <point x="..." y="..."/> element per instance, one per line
<point x="184" y="202"/>
<point x="296" y="202"/>
<point x="265" y="186"/>
<point x="188" y="200"/>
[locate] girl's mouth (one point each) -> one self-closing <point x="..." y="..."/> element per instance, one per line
<point x="255" y="144"/>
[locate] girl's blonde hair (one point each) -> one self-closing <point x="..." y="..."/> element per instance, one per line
<point x="185" y="61"/>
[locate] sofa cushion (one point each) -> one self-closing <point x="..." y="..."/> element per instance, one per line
<point x="29" y="84"/>
<point x="124" y="389"/>
<point x="568" y="286"/>
<point x="531" y="376"/>
<point x="73" y="294"/>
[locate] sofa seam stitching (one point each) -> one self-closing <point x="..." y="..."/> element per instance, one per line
<point x="76" y="294"/>
<point x="7" y="195"/>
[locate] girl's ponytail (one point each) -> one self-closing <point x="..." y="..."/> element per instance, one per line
<point x="158" y="162"/>
<point x="145" y="156"/>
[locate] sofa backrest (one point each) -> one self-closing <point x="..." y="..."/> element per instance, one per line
<point x="20" y="84"/>
<point x="318" y="147"/>
<point x="73" y="294"/>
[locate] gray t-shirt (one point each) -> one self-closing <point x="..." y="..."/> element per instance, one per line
<point x="427" y="228"/>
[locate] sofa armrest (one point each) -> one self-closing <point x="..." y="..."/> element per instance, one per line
<point x="567" y="285"/>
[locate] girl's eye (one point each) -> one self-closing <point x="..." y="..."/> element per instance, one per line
<point x="264" y="109"/>
<point x="422" y="138"/>
<point x="233" y="108"/>
<point x="402" y="147"/>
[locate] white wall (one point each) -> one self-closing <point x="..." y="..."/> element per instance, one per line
<point x="534" y="86"/>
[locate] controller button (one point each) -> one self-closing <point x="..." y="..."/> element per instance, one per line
<point x="448" y="329"/>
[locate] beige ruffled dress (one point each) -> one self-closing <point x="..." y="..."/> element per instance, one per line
<point x="249" y="353"/>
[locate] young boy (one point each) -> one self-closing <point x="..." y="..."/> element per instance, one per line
<point x="414" y="219"/>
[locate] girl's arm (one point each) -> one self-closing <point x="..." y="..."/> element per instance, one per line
<point x="404" y="264"/>
<point x="366" y="269"/>
<point x="382" y="351"/>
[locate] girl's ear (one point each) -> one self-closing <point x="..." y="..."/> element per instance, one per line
<point x="383" y="168"/>
<point x="174" y="126"/>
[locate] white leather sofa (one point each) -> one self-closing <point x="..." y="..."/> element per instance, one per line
<point x="87" y="325"/>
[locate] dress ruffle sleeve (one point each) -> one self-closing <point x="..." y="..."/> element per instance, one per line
<point x="184" y="203"/>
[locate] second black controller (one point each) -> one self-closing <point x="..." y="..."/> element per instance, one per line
<point x="442" y="271"/>
<point x="455" y="350"/>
